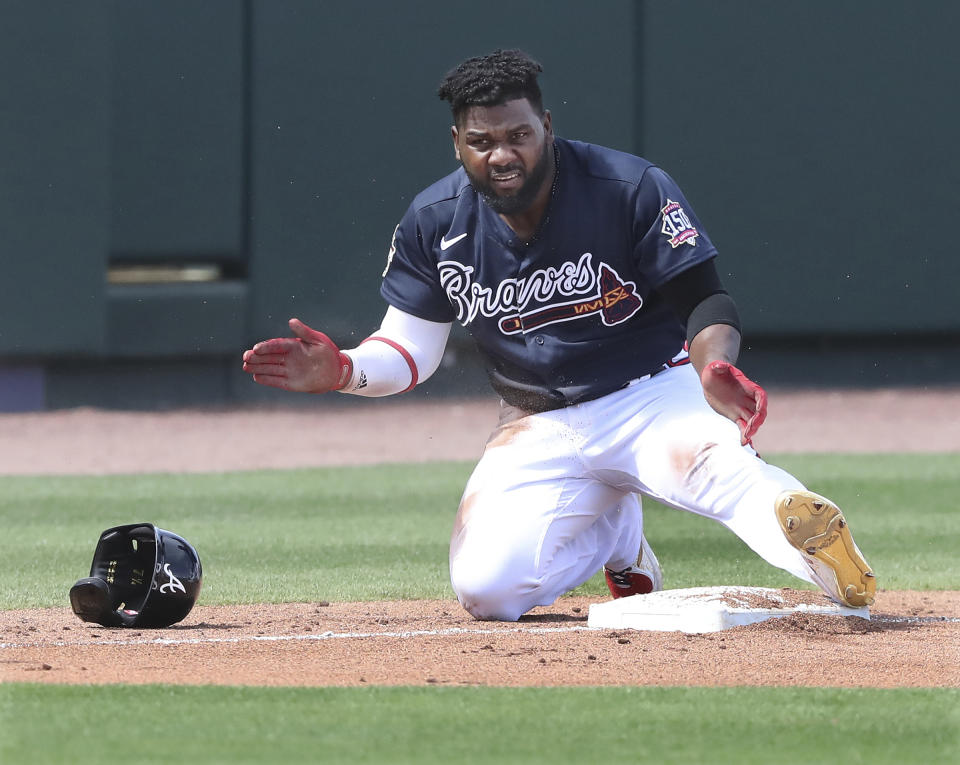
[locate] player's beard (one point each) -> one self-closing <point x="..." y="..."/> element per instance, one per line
<point x="523" y="197"/>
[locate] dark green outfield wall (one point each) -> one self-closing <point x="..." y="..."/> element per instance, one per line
<point x="819" y="141"/>
<point x="55" y="154"/>
<point x="280" y="142"/>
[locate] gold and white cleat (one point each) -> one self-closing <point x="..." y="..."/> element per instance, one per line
<point x="816" y="527"/>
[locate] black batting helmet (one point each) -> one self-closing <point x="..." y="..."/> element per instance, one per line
<point x="141" y="576"/>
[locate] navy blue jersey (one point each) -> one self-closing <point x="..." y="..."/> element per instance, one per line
<point x="573" y="314"/>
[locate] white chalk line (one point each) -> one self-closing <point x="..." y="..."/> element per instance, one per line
<point x="450" y="631"/>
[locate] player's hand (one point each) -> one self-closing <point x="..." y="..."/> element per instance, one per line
<point x="730" y="392"/>
<point x="309" y="362"/>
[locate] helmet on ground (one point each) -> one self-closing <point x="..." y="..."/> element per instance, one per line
<point x="141" y="576"/>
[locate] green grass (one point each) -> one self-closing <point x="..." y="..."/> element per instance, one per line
<point x="162" y="724"/>
<point x="332" y="534"/>
<point x="273" y="536"/>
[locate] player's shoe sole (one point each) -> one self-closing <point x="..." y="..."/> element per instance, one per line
<point x="817" y="528"/>
<point x="642" y="578"/>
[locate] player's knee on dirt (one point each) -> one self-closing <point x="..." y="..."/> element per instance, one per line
<point x="487" y="594"/>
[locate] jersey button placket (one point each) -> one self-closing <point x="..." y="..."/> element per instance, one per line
<point x="516" y="278"/>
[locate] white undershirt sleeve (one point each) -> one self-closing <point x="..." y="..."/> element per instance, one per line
<point x="403" y="352"/>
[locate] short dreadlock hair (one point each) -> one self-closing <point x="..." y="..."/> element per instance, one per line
<point x="492" y="80"/>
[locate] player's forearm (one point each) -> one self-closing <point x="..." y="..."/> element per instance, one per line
<point x="707" y="312"/>
<point x="717" y="342"/>
<point x="403" y="352"/>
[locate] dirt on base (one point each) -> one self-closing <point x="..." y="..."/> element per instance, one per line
<point x="912" y="638"/>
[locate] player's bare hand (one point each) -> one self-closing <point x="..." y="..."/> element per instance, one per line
<point x="308" y="362"/>
<point x="730" y="392"/>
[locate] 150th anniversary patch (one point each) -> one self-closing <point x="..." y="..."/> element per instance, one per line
<point x="677" y="226"/>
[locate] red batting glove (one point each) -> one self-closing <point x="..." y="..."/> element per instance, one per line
<point x="730" y="392"/>
<point x="310" y="362"/>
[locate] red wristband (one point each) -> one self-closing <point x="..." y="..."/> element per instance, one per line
<point x="346" y="370"/>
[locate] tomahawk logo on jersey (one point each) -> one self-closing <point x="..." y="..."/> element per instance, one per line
<point x="605" y="293"/>
<point x="616" y="303"/>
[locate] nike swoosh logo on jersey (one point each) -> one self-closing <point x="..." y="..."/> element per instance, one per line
<point x="447" y="243"/>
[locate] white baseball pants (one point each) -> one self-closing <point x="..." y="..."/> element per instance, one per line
<point x="556" y="495"/>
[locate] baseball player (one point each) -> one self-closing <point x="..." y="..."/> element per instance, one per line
<point x="589" y="286"/>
